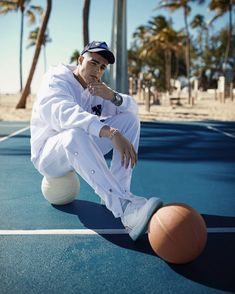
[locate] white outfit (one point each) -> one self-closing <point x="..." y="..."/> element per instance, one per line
<point x="65" y="131"/>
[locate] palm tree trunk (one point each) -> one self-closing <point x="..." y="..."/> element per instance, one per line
<point x="39" y="42"/>
<point x="188" y="56"/>
<point x="21" y="47"/>
<point x="176" y="59"/>
<point x="230" y="27"/>
<point x="86" y="10"/>
<point x="168" y="69"/>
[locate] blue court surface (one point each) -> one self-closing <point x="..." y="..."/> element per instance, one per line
<point x="82" y="248"/>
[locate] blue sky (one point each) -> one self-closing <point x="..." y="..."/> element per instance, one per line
<point x="65" y="28"/>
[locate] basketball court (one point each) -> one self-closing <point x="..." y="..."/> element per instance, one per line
<point x="81" y="248"/>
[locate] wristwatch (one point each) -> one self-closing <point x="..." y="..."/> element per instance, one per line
<point x="117" y="99"/>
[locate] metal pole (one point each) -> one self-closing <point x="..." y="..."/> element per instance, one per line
<point x="119" y="76"/>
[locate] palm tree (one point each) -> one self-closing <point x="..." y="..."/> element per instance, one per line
<point x="200" y="24"/>
<point x="140" y="37"/>
<point x="86" y="11"/>
<point x="163" y="37"/>
<point x="74" y="57"/>
<point x="25" y="9"/>
<point x="39" y="43"/>
<point x="46" y="39"/>
<point x="222" y="7"/>
<point x="174" y="5"/>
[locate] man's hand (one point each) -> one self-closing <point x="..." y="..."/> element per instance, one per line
<point x="100" y="89"/>
<point x="126" y="149"/>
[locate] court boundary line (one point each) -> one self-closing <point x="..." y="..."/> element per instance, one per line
<point x="209" y="127"/>
<point x="14" y="133"/>
<point x="64" y="232"/>
<point x="92" y="232"/>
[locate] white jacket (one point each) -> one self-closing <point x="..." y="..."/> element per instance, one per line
<point x="62" y="103"/>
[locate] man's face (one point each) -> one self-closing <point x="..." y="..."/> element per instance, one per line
<point x="92" y="67"/>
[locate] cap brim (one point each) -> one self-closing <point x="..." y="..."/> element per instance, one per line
<point x="104" y="53"/>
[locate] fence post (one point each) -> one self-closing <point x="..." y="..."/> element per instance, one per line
<point x="147" y="98"/>
<point x="195" y="89"/>
<point x="221" y="89"/>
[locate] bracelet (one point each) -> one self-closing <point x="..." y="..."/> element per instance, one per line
<point x="113" y="132"/>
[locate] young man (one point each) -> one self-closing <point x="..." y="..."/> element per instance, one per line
<point x="76" y="120"/>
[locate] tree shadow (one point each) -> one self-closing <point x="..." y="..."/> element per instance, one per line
<point x="14" y="148"/>
<point x="15" y="151"/>
<point x="185" y="142"/>
<point x="215" y="267"/>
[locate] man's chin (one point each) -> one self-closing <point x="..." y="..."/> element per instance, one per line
<point x="92" y="80"/>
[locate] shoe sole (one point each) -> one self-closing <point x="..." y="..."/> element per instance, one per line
<point x="152" y="205"/>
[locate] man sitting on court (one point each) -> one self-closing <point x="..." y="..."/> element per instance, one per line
<point x="76" y="120"/>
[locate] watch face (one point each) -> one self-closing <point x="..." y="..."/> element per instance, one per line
<point x="118" y="97"/>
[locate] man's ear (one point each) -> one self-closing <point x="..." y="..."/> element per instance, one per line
<point x="80" y="59"/>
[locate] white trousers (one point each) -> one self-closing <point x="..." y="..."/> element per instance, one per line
<point x="74" y="149"/>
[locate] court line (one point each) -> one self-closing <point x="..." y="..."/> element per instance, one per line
<point x="219" y="131"/>
<point x="92" y="232"/>
<point x="64" y="232"/>
<point x="14" y="133"/>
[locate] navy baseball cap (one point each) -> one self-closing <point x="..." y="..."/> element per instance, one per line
<point x="101" y="48"/>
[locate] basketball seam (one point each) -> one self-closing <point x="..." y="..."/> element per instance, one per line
<point x="194" y="233"/>
<point x="164" y="228"/>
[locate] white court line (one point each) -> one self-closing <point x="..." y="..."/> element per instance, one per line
<point x="14" y="133"/>
<point x="219" y="131"/>
<point x="92" y="232"/>
<point x="64" y="232"/>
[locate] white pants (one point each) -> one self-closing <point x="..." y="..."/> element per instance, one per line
<point x="74" y="149"/>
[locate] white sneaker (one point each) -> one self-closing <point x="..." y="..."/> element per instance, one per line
<point x="136" y="216"/>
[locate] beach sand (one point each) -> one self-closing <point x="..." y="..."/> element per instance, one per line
<point x="204" y="109"/>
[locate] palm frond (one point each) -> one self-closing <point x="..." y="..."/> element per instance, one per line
<point x="31" y="17"/>
<point x="37" y="9"/>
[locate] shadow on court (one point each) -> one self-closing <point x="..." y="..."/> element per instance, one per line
<point x="188" y="142"/>
<point x="214" y="268"/>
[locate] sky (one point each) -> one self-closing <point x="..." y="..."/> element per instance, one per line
<point x="65" y="30"/>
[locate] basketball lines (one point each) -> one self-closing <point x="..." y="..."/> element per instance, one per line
<point x="221" y="132"/>
<point x="14" y="134"/>
<point x="93" y="232"/>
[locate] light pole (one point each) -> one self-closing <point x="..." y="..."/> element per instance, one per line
<point x="119" y="76"/>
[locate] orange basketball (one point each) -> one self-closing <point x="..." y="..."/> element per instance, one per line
<point x="177" y="233"/>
